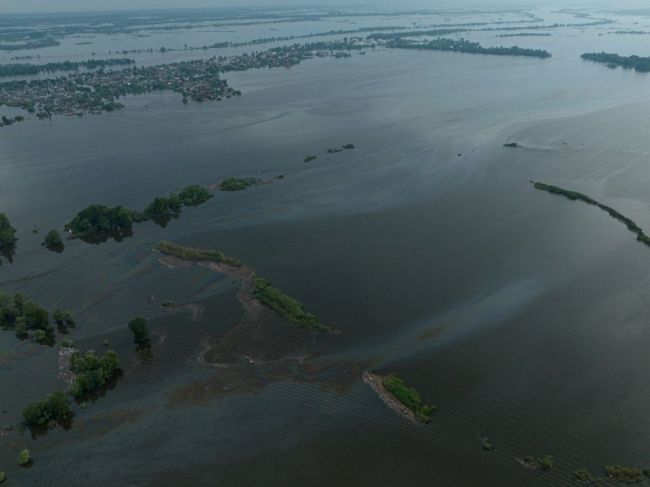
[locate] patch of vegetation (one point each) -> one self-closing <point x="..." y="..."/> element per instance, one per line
<point x="237" y="184"/>
<point x="468" y="47"/>
<point x="24" y="458"/>
<point x="573" y="195"/>
<point x="486" y="444"/>
<point x="409" y="397"/>
<point x="53" y="410"/>
<point x="96" y="223"/>
<point x="637" y="63"/>
<point x="53" y="242"/>
<point x="584" y="475"/>
<point x="544" y="463"/>
<point x="3" y="476"/>
<point x="161" y="210"/>
<point x="194" y="195"/>
<point x="188" y="253"/>
<point x="628" y="475"/>
<point x="310" y="158"/>
<point x="7" y="238"/>
<point x="24" y="316"/>
<point x="348" y="146"/>
<point x="287" y="307"/>
<point x="334" y="150"/>
<point x="92" y="373"/>
<point x="511" y="144"/>
<point x="138" y="327"/>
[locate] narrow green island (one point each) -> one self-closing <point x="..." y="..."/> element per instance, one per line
<point x="238" y="184"/>
<point x="467" y="47"/>
<point x="310" y="158"/>
<point x="637" y="63"/>
<point x="196" y="255"/>
<point x="253" y="286"/>
<point x="7" y="238"/>
<point x="575" y="196"/>
<point x="399" y="397"/>
<point x="287" y="307"/>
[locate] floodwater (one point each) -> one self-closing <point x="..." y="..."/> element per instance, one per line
<point x="522" y="316"/>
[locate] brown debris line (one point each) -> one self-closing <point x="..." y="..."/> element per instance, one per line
<point x="103" y="423"/>
<point x="252" y="378"/>
<point x="376" y="382"/>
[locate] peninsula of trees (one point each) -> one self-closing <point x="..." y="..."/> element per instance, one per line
<point x="641" y="64"/>
<point x="573" y="195"/>
<point x="467" y="47"/>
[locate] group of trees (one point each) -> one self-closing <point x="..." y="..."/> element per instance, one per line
<point x="237" y="184"/>
<point x="641" y="64"/>
<point x="97" y="223"/>
<point x="465" y="46"/>
<point x="53" y="410"/>
<point x="92" y="372"/>
<point x="25" y="316"/>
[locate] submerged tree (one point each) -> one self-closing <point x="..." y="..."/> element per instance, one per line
<point x="138" y="327"/>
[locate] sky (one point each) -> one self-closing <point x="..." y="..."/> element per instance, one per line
<point x="35" y="6"/>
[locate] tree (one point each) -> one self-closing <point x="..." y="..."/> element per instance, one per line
<point x="24" y="458"/>
<point x="53" y="242"/>
<point x="63" y="320"/>
<point x="138" y="327"/>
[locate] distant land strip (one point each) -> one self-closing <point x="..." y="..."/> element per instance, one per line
<point x="573" y="195"/>
<point x="637" y="63"/>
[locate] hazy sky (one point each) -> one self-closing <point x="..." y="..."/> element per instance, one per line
<point x="14" y="6"/>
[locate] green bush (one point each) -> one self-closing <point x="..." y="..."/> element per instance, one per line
<point x="54" y="409"/>
<point x="92" y="372"/>
<point x="24" y="458"/>
<point x="237" y="184"/>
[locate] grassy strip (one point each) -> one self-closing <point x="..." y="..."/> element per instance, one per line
<point x="573" y="195"/>
<point x="187" y="253"/>
<point x="409" y="397"/>
<point x="287" y="307"/>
